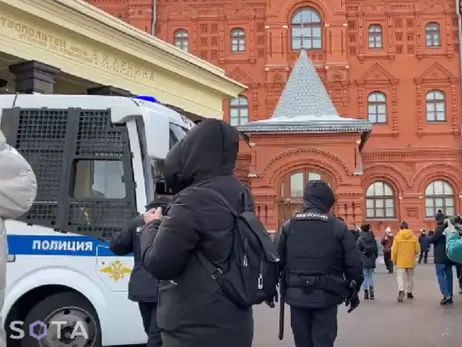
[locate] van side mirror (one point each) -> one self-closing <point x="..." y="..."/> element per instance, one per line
<point x="157" y="135"/>
<point x="156" y="125"/>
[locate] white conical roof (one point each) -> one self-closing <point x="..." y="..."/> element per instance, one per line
<point x="304" y="95"/>
<point x="305" y="106"/>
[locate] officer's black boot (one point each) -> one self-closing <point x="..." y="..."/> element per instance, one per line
<point x="366" y="294"/>
<point x="371" y="293"/>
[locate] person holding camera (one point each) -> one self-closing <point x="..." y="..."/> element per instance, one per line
<point x="387" y="243"/>
<point x="193" y="310"/>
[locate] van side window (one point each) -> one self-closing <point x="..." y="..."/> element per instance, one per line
<point x="83" y="165"/>
<point x="103" y="179"/>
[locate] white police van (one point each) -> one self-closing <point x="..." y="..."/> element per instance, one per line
<point x="96" y="159"/>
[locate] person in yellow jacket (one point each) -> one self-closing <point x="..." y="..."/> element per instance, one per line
<point x="403" y="254"/>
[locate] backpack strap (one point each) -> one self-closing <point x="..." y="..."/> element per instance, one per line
<point x="220" y="197"/>
<point x="213" y="270"/>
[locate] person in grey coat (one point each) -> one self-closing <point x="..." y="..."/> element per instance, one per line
<point x="369" y="253"/>
<point x="18" y="188"/>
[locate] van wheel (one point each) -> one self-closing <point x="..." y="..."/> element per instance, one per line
<point x="81" y="327"/>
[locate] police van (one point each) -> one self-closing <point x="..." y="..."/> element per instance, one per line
<point x="96" y="159"/>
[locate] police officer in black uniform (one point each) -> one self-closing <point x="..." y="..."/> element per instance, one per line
<point x="322" y="268"/>
<point x="143" y="287"/>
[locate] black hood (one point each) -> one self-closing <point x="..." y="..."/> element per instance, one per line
<point x="367" y="235"/>
<point x="318" y="196"/>
<point x="440" y="217"/>
<point x="208" y="150"/>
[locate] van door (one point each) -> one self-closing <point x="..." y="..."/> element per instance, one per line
<point x="104" y="192"/>
<point x="86" y="186"/>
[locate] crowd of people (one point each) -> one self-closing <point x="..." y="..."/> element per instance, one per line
<point x="401" y="254"/>
<point x="320" y="263"/>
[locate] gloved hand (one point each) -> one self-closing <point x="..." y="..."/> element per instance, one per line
<point x="352" y="303"/>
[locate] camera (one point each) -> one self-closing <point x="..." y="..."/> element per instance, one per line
<point x="162" y="197"/>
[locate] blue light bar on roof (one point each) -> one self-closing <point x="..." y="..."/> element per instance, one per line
<point x="147" y="98"/>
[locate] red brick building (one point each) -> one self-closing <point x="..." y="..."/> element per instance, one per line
<point x="393" y="63"/>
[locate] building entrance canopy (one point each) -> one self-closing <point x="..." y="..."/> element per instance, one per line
<point x="83" y="41"/>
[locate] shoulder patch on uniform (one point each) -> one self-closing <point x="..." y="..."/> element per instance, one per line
<point x="312" y="216"/>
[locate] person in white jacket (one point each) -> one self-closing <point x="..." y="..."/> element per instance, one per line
<point x="18" y="188"/>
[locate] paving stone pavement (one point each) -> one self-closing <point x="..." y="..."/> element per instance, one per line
<point x="383" y="322"/>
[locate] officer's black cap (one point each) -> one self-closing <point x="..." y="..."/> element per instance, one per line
<point x="319" y="195"/>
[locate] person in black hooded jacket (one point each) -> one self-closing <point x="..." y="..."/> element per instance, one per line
<point x="142" y="287"/>
<point x="193" y="311"/>
<point x="443" y="265"/>
<point x="317" y="254"/>
<point x="367" y="245"/>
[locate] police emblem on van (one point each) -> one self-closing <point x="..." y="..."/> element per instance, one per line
<point x="116" y="270"/>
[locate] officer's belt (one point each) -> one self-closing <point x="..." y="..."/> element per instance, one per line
<point x="307" y="283"/>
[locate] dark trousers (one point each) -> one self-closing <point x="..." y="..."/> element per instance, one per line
<point x="314" y="328"/>
<point x="387" y="260"/>
<point x="148" y="312"/>
<point x="459" y="274"/>
<point x="424" y="255"/>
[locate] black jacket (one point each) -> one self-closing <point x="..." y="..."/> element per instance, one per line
<point x="365" y="239"/>
<point x="340" y="249"/>
<point x="143" y="287"/>
<point x="424" y="243"/>
<point x="355" y="234"/>
<point x="439" y="241"/>
<point x="192" y="309"/>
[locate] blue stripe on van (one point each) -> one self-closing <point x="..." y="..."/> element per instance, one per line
<point x="77" y="246"/>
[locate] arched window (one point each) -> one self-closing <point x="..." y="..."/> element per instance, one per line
<point x="377" y="107"/>
<point x="238" y="40"/>
<point x="292" y="185"/>
<point x="380" y="201"/>
<point x="439" y="195"/>
<point x="432" y="35"/>
<point x="436" y="106"/>
<point x="181" y="39"/>
<point x="375" y="36"/>
<point x="306" y="29"/>
<point x="239" y="111"/>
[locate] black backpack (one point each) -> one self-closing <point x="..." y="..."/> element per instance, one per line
<point x="368" y="248"/>
<point x="252" y="275"/>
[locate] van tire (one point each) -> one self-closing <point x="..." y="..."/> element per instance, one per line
<point x="68" y="303"/>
